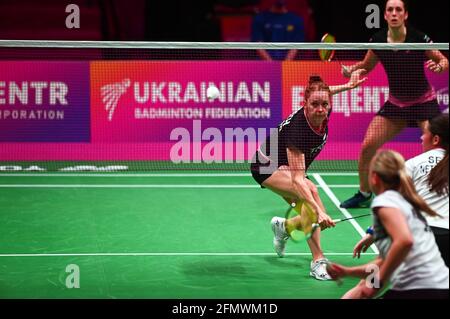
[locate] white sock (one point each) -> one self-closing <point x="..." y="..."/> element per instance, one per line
<point x="365" y="194"/>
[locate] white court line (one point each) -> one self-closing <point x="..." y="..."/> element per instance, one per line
<point x="338" y="174"/>
<point x="106" y="174"/>
<point x="123" y="186"/>
<point x="192" y="186"/>
<point x="336" y="202"/>
<point x="168" y="254"/>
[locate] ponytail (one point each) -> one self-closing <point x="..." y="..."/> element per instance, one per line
<point x="390" y="167"/>
<point x="438" y="176"/>
<point x="408" y="191"/>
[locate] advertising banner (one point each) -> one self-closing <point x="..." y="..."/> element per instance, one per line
<point x="159" y="110"/>
<point x="165" y="105"/>
<point x="44" y="102"/>
<point x="352" y="110"/>
<point x="144" y="101"/>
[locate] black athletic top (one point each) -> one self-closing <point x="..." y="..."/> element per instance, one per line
<point x="404" y="68"/>
<point x="296" y="133"/>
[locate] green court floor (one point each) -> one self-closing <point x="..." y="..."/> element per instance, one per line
<point x="162" y="235"/>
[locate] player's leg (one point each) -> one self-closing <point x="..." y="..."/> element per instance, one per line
<point x="319" y="262"/>
<point x="424" y="112"/>
<point x="355" y="292"/>
<point x="381" y="130"/>
<point x="314" y="242"/>
<point x="281" y="183"/>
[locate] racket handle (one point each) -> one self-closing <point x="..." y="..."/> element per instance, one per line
<point x="344" y="219"/>
<point x="349" y="218"/>
<point x="346" y="68"/>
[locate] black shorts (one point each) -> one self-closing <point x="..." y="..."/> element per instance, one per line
<point x="417" y="294"/>
<point x="442" y="239"/>
<point x="412" y="114"/>
<point x="255" y="169"/>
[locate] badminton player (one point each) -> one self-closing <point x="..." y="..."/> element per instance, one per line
<point x="429" y="172"/>
<point x="299" y="139"/>
<point x="409" y="257"/>
<point x="412" y="100"/>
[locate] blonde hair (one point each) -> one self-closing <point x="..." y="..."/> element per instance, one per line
<point x="390" y="168"/>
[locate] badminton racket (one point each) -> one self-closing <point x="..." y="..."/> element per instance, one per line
<point x="328" y="54"/>
<point x="303" y="221"/>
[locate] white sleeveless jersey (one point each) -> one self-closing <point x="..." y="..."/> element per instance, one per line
<point x="423" y="267"/>
<point x="418" y="168"/>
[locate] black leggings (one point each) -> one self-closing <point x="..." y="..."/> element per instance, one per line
<point x="441" y="235"/>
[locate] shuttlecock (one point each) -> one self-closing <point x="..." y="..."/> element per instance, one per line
<point x="212" y="93"/>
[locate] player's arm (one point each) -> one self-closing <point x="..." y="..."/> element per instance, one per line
<point x="394" y="222"/>
<point x="363" y="244"/>
<point x="315" y="194"/>
<point x="367" y="64"/>
<point x="395" y="225"/>
<point x="291" y="55"/>
<point x="355" y="81"/>
<point x="264" y="55"/>
<point x="302" y="188"/>
<point x="337" y="271"/>
<point x="437" y="62"/>
<point x="258" y="36"/>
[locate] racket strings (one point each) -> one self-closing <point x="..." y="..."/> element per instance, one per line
<point x="301" y="222"/>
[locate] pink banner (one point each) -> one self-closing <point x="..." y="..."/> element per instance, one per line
<point x="158" y="110"/>
<point x="44" y="101"/>
<point x="141" y="110"/>
<point x="352" y="110"/>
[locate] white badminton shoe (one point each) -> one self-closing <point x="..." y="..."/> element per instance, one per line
<point x="280" y="237"/>
<point x="319" y="269"/>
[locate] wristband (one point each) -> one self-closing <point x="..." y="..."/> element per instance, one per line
<point x="369" y="230"/>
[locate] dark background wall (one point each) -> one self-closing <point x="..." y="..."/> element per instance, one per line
<point x="345" y="18"/>
<point x="195" y="20"/>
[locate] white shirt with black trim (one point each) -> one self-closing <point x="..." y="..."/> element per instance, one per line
<point x="423" y="267"/>
<point x="418" y="168"/>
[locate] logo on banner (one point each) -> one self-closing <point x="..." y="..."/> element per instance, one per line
<point x="442" y="98"/>
<point x="111" y="94"/>
<point x="43" y="101"/>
